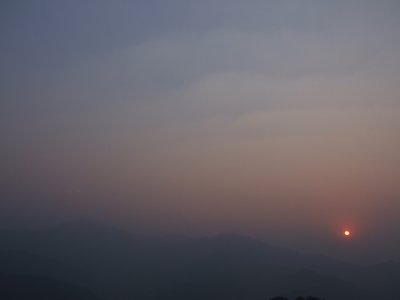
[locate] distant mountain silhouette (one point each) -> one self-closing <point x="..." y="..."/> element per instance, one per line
<point x="23" y="287"/>
<point x="92" y="259"/>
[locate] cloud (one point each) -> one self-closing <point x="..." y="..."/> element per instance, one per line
<point x="247" y="109"/>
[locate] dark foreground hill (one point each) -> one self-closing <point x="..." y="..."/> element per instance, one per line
<point x="40" y="288"/>
<point x="92" y="261"/>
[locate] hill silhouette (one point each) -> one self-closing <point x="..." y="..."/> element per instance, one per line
<point x="95" y="261"/>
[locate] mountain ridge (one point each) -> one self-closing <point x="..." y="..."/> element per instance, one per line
<point x="120" y="265"/>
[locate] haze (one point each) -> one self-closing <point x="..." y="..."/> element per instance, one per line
<point x="275" y="119"/>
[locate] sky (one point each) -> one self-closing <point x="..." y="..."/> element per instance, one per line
<point x="275" y="119"/>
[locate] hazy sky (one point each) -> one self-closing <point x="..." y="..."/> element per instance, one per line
<point x="278" y="119"/>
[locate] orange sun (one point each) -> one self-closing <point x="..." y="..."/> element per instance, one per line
<point x="347" y="233"/>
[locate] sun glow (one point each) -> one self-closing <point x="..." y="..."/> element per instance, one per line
<point x="347" y="233"/>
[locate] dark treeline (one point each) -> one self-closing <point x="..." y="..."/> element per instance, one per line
<point x="298" y="298"/>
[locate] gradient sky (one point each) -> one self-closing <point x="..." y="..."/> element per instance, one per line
<point x="278" y="119"/>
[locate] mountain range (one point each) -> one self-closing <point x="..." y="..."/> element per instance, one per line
<point x="88" y="260"/>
